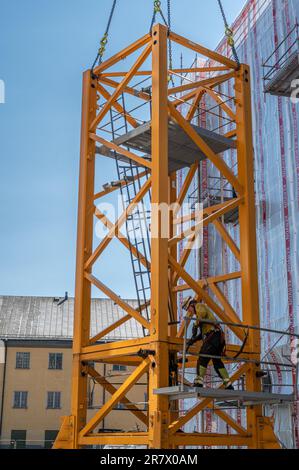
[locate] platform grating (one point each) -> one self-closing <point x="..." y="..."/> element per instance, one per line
<point x="181" y="149"/>
<point x="217" y="394"/>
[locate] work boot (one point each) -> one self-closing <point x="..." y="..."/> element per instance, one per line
<point x="198" y="382"/>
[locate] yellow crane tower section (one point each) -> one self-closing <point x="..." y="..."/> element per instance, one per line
<point x="150" y="355"/>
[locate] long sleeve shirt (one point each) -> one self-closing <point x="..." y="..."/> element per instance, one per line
<point x="204" y="313"/>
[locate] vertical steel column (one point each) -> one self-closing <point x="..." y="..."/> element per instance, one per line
<point x="84" y="250"/>
<point x="172" y="330"/>
<point x="158" y="373"/>
<point x="248" y="250"/>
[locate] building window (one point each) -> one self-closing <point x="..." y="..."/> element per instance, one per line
<point x="20" y="399"/>
<point x="23" y="360"/>
<point x="54" y="400"/>
<point x="18" y="439"/>
<point x="119" y="368"/>
<point x="55" y="361"/>
<point x="50" y="437"/>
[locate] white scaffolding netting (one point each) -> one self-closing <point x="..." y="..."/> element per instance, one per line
<point x="259" y="29"/>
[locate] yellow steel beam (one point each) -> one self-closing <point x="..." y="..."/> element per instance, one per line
<point x="210" y="440"/>
<point x="123" y="54"/>
<point x="115" y="398"/>
<point x="248" y="251"/>
<point x="227" y="238"/>
<point x="206" y="211"/>
<point x="139" y="160"/>
<point x="224" y="302"/>
<point x="141" y="59"/>
<point x="122" y="183"/>
<point x="224" y="316"/>
<point x="231" y="422"/>
<point x="158" y="376"/>
<point x="105" y="242"/>
<point x="116" y="348"/>
<point x="198" y="96"/>
<point x="129" y="90"/>
<point x="120" y="439"/>
<point x="184" y="98"/>
<point x="202" y="83"/>
<point x="111" y="389"/>
<point x="104" y="219"/>
<point x="231" y="134"/>
<point x="84" y="247"/>
<point x="125" y="360"/>
<point x="213" y="94"/>
<point x="217" y="209"/>
<point x="203" y="146"/>
<point x="175" y="426"/>
<point x="184" y="257"/>
<point x="175" y="71"/>
<point x="184" y="189"/>
<point x="207" y="281"/>
<point x="203" y="50"/>
<point x="121" y="303"/>
<point x="226" y="207"/>
<point x="117" y="106"/>
<point x="110" y="328"/>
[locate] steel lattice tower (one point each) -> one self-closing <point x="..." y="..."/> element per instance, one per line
<point x="163" y="340"/>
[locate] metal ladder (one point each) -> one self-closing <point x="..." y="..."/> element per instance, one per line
<point x="137" y="224"/>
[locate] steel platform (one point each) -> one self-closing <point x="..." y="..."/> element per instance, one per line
<point x="181" y="149"/>
<point x="281" y="83"/>
<point x="220" y="395"/>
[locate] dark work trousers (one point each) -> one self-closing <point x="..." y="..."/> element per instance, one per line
<point x="213" y="345"/>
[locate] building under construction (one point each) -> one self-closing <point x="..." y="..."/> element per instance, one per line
<point x="218" y="144"/>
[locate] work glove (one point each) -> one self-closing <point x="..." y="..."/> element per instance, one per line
<point x="194" y="331"/>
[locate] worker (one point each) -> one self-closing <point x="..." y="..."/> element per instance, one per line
<point x="213" y="341"/>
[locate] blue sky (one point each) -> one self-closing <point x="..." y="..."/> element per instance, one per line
<point x="45" y="45"/>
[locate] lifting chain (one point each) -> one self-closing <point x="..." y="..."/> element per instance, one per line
<point x="157" y="9"/>
<point x="157" y="6"/>
<point x="229" y="34"/>
<point x="104" y="40"/>
<point x="170" y="77"/>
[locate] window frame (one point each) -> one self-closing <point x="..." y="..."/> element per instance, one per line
<point x="20" y="443"/>
<point x="119" y="368"/>
<point x="20" y="362"/>
<point x="18" y="404"/>
<point x="56" y="355"/>
<point x="53" y="406"/>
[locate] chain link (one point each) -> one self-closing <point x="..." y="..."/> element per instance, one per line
<point x="229" y="34"/>
<point x="170" y="77"/>
<point x="157" y="9"/>
<point x="104" y="40"/>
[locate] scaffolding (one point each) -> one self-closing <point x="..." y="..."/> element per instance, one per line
<point x="283" y="73"/>
<point x="152" y="154"/>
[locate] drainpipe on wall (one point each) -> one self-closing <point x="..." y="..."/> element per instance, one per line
<point x="3" y="360"/>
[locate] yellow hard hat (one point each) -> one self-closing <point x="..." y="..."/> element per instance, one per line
<point x="187" y="302"/>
